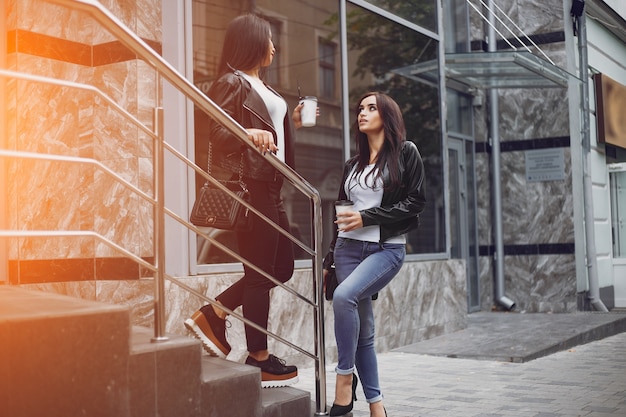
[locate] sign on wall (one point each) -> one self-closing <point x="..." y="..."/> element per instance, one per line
<point x="610" y="105"/>
<point x="545" y="165"/>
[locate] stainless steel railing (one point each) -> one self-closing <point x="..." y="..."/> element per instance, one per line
<point x="192" y="93"/>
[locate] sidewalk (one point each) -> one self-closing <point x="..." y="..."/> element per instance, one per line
<point x="505" y="365"/>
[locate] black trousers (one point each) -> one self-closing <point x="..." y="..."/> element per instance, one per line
<point x="269" y="250"/>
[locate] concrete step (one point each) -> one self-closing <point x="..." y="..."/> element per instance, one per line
<point x="76" y="357"/>
<point x="285" y="402"/>
<point x="230" y="388"/>
<point x="62" y="355"/>
<point x="166" y="383"/>
<point x="164" y="377"/>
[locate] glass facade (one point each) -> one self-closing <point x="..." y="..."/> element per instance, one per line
<point x="379" y="50"/>
<point x="308" y="62"/>
<point x="420" y="12"/>
<point x="618" y="211"/>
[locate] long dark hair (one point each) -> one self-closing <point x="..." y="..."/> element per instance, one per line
<point x="246" y="43"/>
<point x="395" y="136"/>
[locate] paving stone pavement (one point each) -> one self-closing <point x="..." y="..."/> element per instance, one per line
<point x="587" y="380"/>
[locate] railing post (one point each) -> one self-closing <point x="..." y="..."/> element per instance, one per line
<point x="320" y="340"/>
<point x="159" y="228"/>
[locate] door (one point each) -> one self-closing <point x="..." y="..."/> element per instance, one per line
<point x="463" y="237"/>
<point x="617" y="184"/>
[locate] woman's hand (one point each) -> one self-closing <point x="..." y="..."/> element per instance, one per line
<point x="349" y="220"/>
<point x="262" y="139"/>
<point x="296" y="116"/>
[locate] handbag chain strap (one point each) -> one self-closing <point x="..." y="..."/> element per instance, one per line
<point x="210" y="160"/>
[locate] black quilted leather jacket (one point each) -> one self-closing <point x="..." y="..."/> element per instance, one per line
<point x="400" y="208"/>
<point x="234" y="94"/>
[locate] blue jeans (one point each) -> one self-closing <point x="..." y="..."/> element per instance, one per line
<point x="363" y="269"/>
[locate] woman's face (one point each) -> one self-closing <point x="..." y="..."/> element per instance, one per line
<point x="369" y="118"/>
<point x="269" y="57"/>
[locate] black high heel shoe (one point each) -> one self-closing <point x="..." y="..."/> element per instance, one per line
<point x="341" y="410"/>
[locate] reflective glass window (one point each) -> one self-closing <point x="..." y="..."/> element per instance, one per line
<point x="420" y="12"/>
<point x="307" y="62"/>
<point x="328" y="70"/>
<point x="381" y="54"/>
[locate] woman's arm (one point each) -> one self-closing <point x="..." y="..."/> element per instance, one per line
<point x="226" y="92"/>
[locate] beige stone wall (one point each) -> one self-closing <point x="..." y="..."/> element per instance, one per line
<point x="52" y="41"/>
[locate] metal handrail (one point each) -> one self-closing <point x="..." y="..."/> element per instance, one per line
<point x="121" y="249"/>
<point x="140" y="261"/>
<point x="149" y="199"/>
<point x="191" y="92"/>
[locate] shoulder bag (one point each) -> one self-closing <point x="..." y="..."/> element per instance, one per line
<point x="216" y="208"/>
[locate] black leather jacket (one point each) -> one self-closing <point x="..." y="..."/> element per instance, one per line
<point x="400" y="208"/>
<point x="234" y="94"/>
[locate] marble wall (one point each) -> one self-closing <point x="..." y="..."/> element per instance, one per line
<point x="538" y="230"/>
<point x="425" y="300"/>
<point x="51" y="41"/>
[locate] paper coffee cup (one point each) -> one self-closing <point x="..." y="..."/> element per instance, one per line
<point x="343" y="206"/>
<point x="308" y="113"/>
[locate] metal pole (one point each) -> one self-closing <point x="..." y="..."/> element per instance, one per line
<point x="159" y="229"/>
<point x="345" y="78"/>
<point x="494" y="132"/>
<point x="590" y="240"/>
<point x="318" y="288"/>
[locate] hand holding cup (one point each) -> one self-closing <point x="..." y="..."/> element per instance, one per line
<point x="308" y="113"/>
<point x="343" y="206"/>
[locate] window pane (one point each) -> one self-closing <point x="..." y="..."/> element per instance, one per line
<point x="380" y="51"/>
<point x="272" y="73"/>
<point x="296" y="33"/>
<point x="618" y="213"/>
<point x="327" y="69"/>
<point x="456" y="24"/>
<point x="459" y="113"/>
<point x="420" y="12"/>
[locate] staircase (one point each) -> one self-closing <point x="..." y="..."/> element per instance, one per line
<point x="65" y="356"/>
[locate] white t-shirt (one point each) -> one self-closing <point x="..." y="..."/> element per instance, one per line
<point x="366" y="194"/>
<point x="277" y="108"/>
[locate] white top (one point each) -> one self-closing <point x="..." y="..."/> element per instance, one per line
<point x="277" y="108"/>
<point x="366" y="194"/>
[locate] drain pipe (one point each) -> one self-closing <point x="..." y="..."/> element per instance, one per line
<point x="590" y="240"/>
<point x="494" y="134"/>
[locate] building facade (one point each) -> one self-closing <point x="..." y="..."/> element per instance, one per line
<point x="502" y="142"/>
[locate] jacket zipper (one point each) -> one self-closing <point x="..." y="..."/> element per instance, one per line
<point x="269" y="125"/>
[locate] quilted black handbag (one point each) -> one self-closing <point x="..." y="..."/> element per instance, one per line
<point x="216" y="208"/>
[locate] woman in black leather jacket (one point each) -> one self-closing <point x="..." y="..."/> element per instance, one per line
<point x="384" y="181"/>
<point x="241" y="93"/>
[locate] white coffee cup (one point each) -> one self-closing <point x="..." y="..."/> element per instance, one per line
<point x="308" y="113"/>
<point x="342" y="206"/>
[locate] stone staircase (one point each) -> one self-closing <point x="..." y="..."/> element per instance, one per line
<point x="71" y="357"/>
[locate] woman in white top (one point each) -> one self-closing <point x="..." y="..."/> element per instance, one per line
<point x="240" y="92"/>
<point x="384" y="180"/>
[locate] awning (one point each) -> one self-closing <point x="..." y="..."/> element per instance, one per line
<point x="503" y="69"/>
